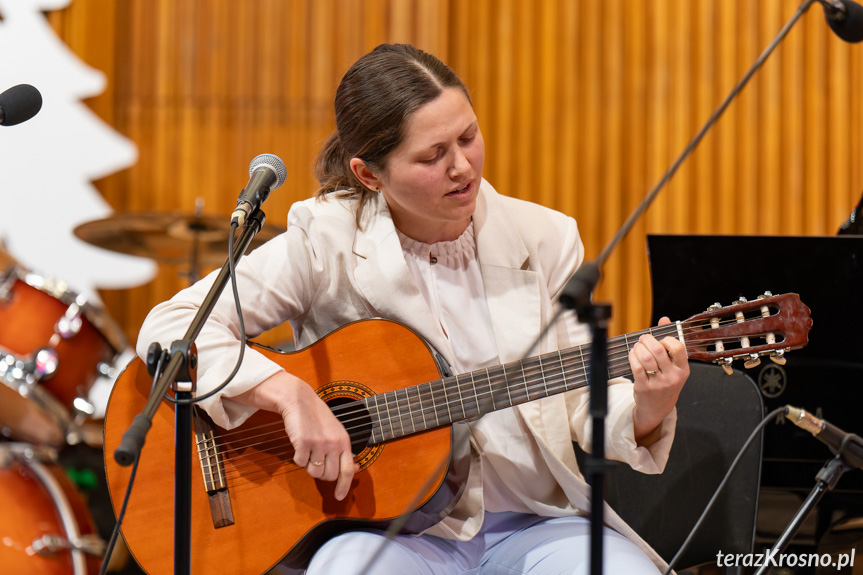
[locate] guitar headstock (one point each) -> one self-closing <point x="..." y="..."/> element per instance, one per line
<point x="769" y="325"/>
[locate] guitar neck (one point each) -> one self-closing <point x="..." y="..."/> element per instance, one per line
<point x="445" y="401"/>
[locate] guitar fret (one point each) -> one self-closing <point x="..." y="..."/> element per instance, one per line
<point x="491" y="397"/>
<point x="557" y="378"/>
<point x="506" y="385"/>
<point x="475" y="395"/>
<point x="386" y="420"/>
<point x="446" y="401"/>
<point x="584" y="365"/>
<point x="435" y="403"/>
<point x="542" y="375"/>
<point x="376" y="418"/>
<point x="460" y="398"/>
<point x="524" y="381"/>
<point x="401" y="414"/>
<point x="410" y="412"/>
<point x="404" y="418"/>
<point x="562" y="367"/>
<point x="389" y="415"/>
<point x="421" y="408"/>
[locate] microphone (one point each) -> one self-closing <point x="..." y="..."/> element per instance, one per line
<point x="848" y="445"/>
<point x="19" y="104"/>
<point x="845" y="18"/>
<point x="266" y="173"/>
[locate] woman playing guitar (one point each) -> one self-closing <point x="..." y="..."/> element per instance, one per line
<point x="405" y="228"/>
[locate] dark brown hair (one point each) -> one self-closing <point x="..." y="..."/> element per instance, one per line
<point x="373" y="102"/>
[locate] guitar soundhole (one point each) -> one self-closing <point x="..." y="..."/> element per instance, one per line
<point x="356" y="420"/>
<point x="343" y="397"/>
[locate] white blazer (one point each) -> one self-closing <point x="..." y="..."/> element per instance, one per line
<point x="324" y="272"/>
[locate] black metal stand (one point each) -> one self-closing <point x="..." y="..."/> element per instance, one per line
<point x="181" y="369"/>
<point x="826" y="480"/>
<point x="578" y="296"/>
<point x="183" y="484"/>
<point x="595" y="463"/>
<point x="579" y="289"/>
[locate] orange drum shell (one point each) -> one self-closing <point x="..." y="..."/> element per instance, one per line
<point x="27" y="323"/>
<point x="28" y="511"/>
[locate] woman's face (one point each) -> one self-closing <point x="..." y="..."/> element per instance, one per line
<point x="432" y="178"/>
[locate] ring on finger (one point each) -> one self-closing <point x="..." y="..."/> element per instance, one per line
<point x="316" y="463"/>
<point x="652" y="372"/>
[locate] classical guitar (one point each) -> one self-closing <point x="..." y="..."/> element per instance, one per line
<point x="252" y="507"/>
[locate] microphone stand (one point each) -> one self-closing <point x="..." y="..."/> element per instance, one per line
<point x="826" y="480"/>
<point x="180" y="375"/>
<point x="578" y="295"/>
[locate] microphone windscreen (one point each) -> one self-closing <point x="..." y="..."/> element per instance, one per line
<point x="19" y="104"/>
<point x="848" y="25"/>
<point x="274" y="163"/>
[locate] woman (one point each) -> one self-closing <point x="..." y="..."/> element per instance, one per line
<point x="404" y="227"/>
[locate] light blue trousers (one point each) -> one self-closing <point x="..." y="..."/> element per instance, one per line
<point x="509" y="543"/>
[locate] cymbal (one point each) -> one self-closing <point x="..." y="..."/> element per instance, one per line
<point x="173" y="238"/>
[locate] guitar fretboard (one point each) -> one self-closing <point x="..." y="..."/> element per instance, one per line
<point x="445" y="401"/>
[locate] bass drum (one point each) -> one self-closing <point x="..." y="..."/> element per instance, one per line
<point x="53" y="344"/>
<point x="45" y="526"/>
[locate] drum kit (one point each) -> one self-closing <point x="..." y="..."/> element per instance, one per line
<point x="54" y="344"/>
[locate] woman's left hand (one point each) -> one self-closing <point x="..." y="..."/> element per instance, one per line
<point x="660" y="368"/>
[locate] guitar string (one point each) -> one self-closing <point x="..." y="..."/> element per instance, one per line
<point x="283" y="438"/>
<point x="352" y="429"/>
<point x="670" y="329"/>
<point x="527" y="372"/>
<point x="530" y="363"/>
<point x="357" y="406"/>
<point x="531" y="368"/>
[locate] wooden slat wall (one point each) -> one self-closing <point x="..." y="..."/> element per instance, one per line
<point x="583" y="105"/>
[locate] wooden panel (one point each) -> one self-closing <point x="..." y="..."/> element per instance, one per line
<point x="583" y="106"/>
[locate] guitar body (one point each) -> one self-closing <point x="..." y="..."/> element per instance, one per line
<point x="277" y="511"/>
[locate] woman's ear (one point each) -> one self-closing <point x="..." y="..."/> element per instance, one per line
<point x="364" y="174"/>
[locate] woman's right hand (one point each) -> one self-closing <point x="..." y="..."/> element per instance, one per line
<point x="320" y="441"/>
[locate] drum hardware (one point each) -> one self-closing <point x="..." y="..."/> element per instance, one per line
<point x="50" y="544"/>
<point x="53" y="346"/>
<point x="78" y="308"/>
<point x="25" y="471"/>
<point x="30" y="369"/>
<point x="70" y="324"/>
<point x="9" y="280"/>
<point x="107" y="370"/>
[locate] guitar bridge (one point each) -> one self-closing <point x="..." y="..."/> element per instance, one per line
<point x="212" y="470"/>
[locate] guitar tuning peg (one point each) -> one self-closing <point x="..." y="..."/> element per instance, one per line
<point x="766" y="294"/>
<point x="726" y="365"/>
<point x="740" y="300"/>
<point x="778" y="357"/>
<point x="715" y="307"/>
<point x="753" y="361"/>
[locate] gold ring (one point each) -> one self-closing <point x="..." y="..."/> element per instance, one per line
<point x="651" y="372"/>
<point x="317" y="463"/>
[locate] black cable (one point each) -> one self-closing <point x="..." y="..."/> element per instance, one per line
<point x="114" y="534"/>
<point x="243" y="337"/>
<point x="755" y="432"/>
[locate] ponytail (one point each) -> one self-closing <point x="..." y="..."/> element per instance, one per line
<point x="334" y="174"/>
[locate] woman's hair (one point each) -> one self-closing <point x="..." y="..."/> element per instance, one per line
<point x="373" y="102"/>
